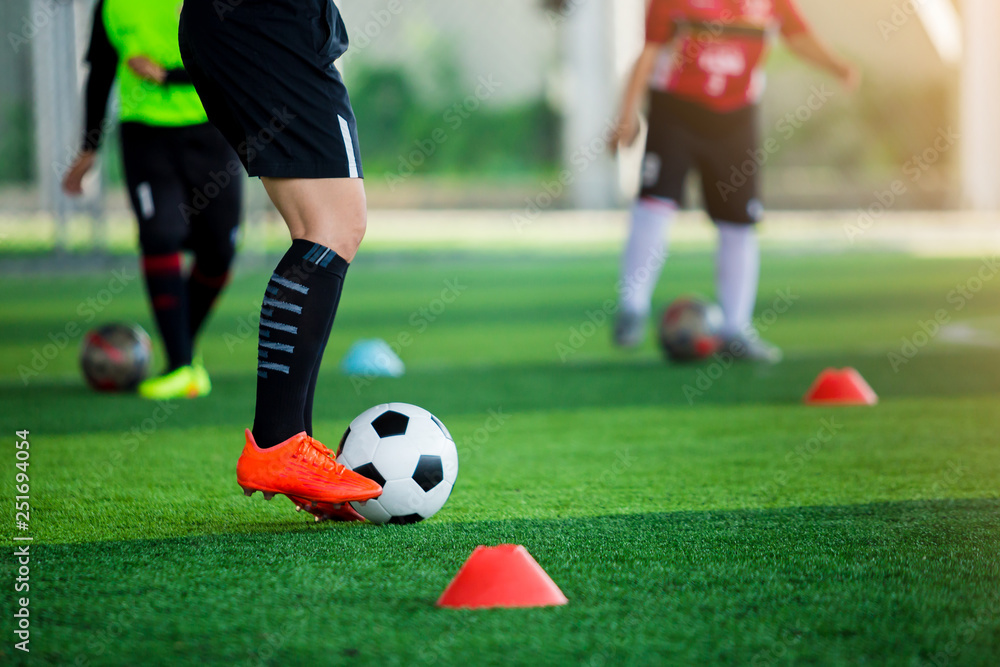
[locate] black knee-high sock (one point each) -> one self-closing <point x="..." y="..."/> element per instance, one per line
<point x="307" y="409"/>
<point x="168" y="297"/>
<point x="298" y="309"/>
<point x="212" y="235"/>
<point x="203" y="288"/>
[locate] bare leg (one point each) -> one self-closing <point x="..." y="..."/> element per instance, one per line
<point x="328" y="211"/>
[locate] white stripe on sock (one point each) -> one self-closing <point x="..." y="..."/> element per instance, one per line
<point x="273" y="367"/>
<point x="279" y="326"/>
<point x="289" y="284"/>
<point x="280" y="347"/>
<point x="283" y="305"/>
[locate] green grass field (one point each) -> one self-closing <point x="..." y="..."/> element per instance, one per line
<point x="725" y="523"/>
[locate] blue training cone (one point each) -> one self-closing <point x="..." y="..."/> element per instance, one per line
<point x="372" y="358"/>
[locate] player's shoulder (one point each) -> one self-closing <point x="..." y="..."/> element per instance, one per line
<point x="117" y="12"/>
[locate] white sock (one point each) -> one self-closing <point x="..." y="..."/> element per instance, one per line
<point x="645" y="254"/>
<point x="737" y="272"/>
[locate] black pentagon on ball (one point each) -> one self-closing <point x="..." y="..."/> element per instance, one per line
<point x="409" y="518"/>
<point x="390" y="423"/>
<point x="429" y="472"/>
<point x="371" y="472"/>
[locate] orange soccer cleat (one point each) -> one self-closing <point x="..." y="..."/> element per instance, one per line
<point x="327" y="511"/>
<point x="303" y="468"/>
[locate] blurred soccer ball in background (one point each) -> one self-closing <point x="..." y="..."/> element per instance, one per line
<point x="690" y="329"/>
<point x="115" y="357"/>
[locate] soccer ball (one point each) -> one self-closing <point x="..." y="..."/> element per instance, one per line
<point x="115" y="357"/>
<point x="410" y="453"/>
<point x="690" y="329"/>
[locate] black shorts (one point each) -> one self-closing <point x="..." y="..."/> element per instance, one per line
<point x="186" y="186"/>
<point x="684" y="135"/>
<point x="264" y="70"/>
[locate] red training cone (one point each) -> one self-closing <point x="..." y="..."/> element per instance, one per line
<point x="501" y="576"/>
<point x="841" y="387"/>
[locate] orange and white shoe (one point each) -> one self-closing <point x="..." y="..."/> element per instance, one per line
<point x="303" y="468"/>
<point x="327" y="511"/>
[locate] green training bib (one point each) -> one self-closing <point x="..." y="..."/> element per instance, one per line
<point x="149" y="28"/>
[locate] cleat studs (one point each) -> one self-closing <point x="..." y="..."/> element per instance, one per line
<point x="247" y="492"/>
<point x="268" y="496"/>
<point x="298" y="508"/>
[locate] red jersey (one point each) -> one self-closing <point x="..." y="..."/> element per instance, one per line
<point x="717" y="47"/>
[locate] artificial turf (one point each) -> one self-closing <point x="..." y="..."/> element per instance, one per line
<point x="692" y="514"/>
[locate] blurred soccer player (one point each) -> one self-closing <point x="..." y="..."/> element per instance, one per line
<point x="180" y="175"/>
<point x="265" y="71"/>
<point x="702" y="67"/>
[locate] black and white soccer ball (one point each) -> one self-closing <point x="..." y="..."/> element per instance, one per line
<point x="410" y="453"/>
<point x="116" y="357"/>
<point x="690" y="329"/>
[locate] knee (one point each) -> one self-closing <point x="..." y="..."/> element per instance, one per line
<point x="216" y="254"/>
<point x="333" y="214"/>
<point x="343" y="236"/>
<point x="358" y="229"/>
<point x="355" y="223"/>
<point x="160" y="239"/>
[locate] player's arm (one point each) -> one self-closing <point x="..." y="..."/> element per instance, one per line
<point x="144" y="67"/>
<point x="628" y="117"/>
<point x="659" y="31"/>
<point x="805" y="43"/>
<point x="103" y="61"/>
<point x="147" y="69"/>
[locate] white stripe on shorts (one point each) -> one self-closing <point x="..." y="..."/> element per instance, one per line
<point x="352" y="161"/>
<point x="144" y="193"/>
